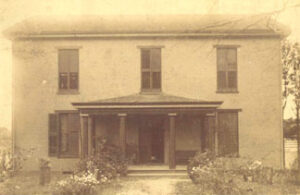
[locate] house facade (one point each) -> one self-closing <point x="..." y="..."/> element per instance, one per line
<point x="159" y="87"/>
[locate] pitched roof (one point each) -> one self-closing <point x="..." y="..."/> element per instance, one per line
<point x="146" y="24"/>
<point x="144" y="99"/>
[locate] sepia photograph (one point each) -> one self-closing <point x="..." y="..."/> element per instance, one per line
<point x="149" y="97"/>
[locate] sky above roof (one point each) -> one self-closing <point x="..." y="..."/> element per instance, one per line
<point x="12" y="11"/>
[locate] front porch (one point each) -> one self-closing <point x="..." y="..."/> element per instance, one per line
<point x="158" y="130"/>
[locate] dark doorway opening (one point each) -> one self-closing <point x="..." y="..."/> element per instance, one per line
<point x="151" y="140"/>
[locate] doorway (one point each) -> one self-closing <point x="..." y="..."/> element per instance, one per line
<point x="151" y="140"/>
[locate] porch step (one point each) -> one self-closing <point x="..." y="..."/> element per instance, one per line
<point x="159" y="172"/>
<point x="156" y="168"/>
<point x="181" y="176"/>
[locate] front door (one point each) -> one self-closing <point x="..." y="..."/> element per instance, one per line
<point x="151" y="140"/>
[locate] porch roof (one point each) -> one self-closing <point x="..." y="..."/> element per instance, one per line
<point x="135" y="102"/>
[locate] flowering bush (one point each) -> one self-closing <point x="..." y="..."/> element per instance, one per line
<point x="108" y="163"/>
<point x="254" y="171"/>
<point x="212" y="175"/>
<point x="81" y="184"/>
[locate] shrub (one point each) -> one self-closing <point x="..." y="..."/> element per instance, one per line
<point x="6" y="164"/>
<point x="108" y="163"/>
<point x="199" y="160"/>
<point x="81" y="184"/>
<point x="11" y="164"/>
<point x="211" y="175"/>
<point x="224" y="175"/>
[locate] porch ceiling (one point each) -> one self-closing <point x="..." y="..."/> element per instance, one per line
<point x="147" y="102"/>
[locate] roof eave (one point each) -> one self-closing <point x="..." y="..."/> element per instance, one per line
<point x="143" y="105"/>
<point x="145" y="35"/>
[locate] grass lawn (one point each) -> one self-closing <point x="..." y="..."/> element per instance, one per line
<point x="28" y="184"/>
<point x="189" y="188"/>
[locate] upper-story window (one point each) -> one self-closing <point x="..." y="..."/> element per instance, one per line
<point x="151" y="69"/>
<point x="227" y="69"/>
<point x="68" y="60"/>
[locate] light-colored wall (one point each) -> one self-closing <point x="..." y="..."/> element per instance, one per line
<point x="111" y="68"/>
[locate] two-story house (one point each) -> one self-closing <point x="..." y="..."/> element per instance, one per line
<point x="159" y="87"/>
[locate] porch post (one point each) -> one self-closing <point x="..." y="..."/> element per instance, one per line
<point x="83" y="135"/>
<point x="172" y="141"/>
<point x="123" y="131"/>
<point x="90" y="135"/>
<point x="216" y="134"/>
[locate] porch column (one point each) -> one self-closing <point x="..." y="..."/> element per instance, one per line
<point x="83" y="136"/>
<point x="172" y="141"/>
<point x="216" y="134"/>
<point x="123" y="131"/>
<point x="90" y="135"/>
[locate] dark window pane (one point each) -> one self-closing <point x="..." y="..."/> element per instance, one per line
<point x="74" y="122"/>
<point x="73" y="80"/>
<point x="155" y="59"/>
<point x="145" y="59"/>
<point x="145" y="80"/>
<point x="73" y="144"/>
<point x="221" y="80"/>
<point x="63" y="80"/>
<point x="156" y="80"/>
<point x="232" y="79"/>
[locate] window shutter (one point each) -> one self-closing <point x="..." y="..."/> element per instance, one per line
<point x="228" y="133"/>
<point x="53" y="134"/>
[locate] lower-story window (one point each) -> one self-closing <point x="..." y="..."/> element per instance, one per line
<point x="228" y="137"/>
<point x="64" y="131"/>
<point x="227" y="131"/>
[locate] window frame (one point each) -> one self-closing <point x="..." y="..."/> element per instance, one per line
<point x="227" y="89"/>
<point x="68" y="91"/>
<point x="59" y="153"/>
<point x="150" y="70"/>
